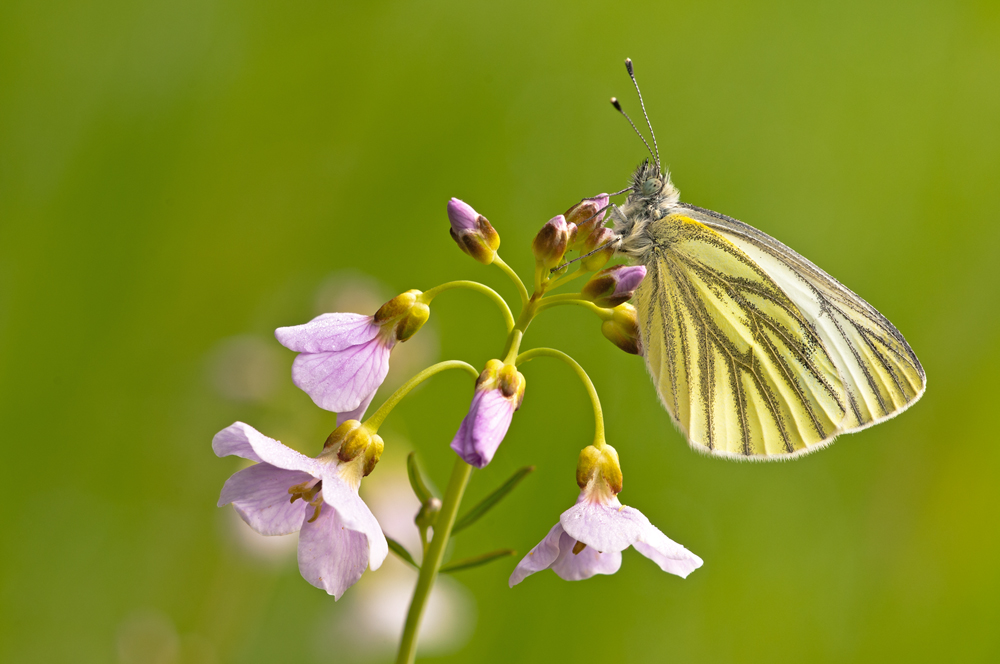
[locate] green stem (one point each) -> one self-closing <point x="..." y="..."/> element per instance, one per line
<point x="375" y="421"/>
<point x="521" y="290"/>
<point x="508" y="318"/>
<point x="566" y="279"/>
<point x="529" y="355"/>
<point x="574" y="298"/>
<point x="432" y="561"/>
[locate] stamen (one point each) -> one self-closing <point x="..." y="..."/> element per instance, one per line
<point x="578" y="547"/>
<point x="318" y="503"/>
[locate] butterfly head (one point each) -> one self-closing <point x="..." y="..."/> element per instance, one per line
<point x="648" y="183"/>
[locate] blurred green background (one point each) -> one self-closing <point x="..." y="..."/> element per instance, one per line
<point x="177" y="179"/>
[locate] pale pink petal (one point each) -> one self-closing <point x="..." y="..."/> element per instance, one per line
<point x="328" y="332"/>
<point x="578" y="566"/>
<point x="331" y="556"/>
<point x="340" y="380"/>
<point x="260" y="495"/>
<point x="668" y="554"/>
<point x="539" y="558"/>
<point x="354" y="515"/>
<point x="356" y="414"/>
<point x="483" y="428"/>
<point x="245" y="441"/>
<point x="605" y="527"/>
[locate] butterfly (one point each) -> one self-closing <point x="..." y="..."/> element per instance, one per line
<point x="755" y="351"/>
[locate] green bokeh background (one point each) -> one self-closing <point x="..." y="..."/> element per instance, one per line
<point x="176" y="174"/>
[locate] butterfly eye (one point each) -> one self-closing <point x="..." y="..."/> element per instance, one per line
<point x="650" y="187"/>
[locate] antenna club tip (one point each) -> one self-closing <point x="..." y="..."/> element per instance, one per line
<point x="614" y="102"/>
<point x="628" y="65"/>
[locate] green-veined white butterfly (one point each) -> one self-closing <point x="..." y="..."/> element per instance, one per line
<point x="754" y="351"/>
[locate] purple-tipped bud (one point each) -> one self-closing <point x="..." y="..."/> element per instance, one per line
<point x="472" y="232"/>
<point x="550" y="243"/>
<point x="614" y="285"/>
<point x="622" y="329"/>
<point x="602" y="243"/>
<point x="587" y="215"/>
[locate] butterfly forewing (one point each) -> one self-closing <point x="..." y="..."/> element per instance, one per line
<point x="880" y="373"/>
<point x="741" y="368"/>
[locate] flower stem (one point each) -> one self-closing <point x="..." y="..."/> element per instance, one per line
<point x="508" y="318"/>
<point x="432" y="561"/>
<point x="521" y="290"/>
<point x="375" y="421"/>
<point x="529" y="355"/>
<point x="574" y="298"/>
<point x="556" y="283"/>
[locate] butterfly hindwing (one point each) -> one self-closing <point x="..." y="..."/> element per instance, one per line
<point x="742" y="370"/>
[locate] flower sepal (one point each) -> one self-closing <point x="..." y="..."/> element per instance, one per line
<point x="622" y="329"/>
<point x="614" y="285"/>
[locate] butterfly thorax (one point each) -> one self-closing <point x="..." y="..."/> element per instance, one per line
<point x="653" y="196"/>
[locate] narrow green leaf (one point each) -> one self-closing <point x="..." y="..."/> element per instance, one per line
<point x="476" y="561"/>
<point x="416" y="481"/>
<point x="401" y="551"/>
<point x="489" y="501"/>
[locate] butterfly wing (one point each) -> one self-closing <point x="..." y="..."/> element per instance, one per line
<point x="754" y="350"/>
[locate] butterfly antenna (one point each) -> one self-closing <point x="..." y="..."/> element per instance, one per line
<point x="631" y="74"/>
<point x="616" y="238"/>
<point x="618" y="107"/>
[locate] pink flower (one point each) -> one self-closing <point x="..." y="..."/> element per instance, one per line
<point x="338" y="535"/>
<point x="590" y="536"/>
<point x="499" y="392"/>
<point x="343" y="358"/>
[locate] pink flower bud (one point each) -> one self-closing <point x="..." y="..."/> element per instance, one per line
<point x="614" y="285"/>
<point x="601" y="242"/>
<point x="587" y="215"/>
<point x="550" y="243"/>
<point x="472" y="232"/>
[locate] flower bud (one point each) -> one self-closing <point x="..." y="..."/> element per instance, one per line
<point x="587" y="215"/>
<point x="550" y="243"/>
<point x="599" y="466"/>
<point x="473" y="233"/>
<point x="601" y="242"/>
<point x="622" y="329"/>
<point x="428" y="513"/>
<point x="614" y="285"/>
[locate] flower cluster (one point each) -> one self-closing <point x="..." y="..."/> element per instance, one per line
<point x="343" y="359"/>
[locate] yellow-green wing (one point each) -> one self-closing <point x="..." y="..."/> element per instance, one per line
<point x="880" y="373"/>
<point x="738" y="366"/>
